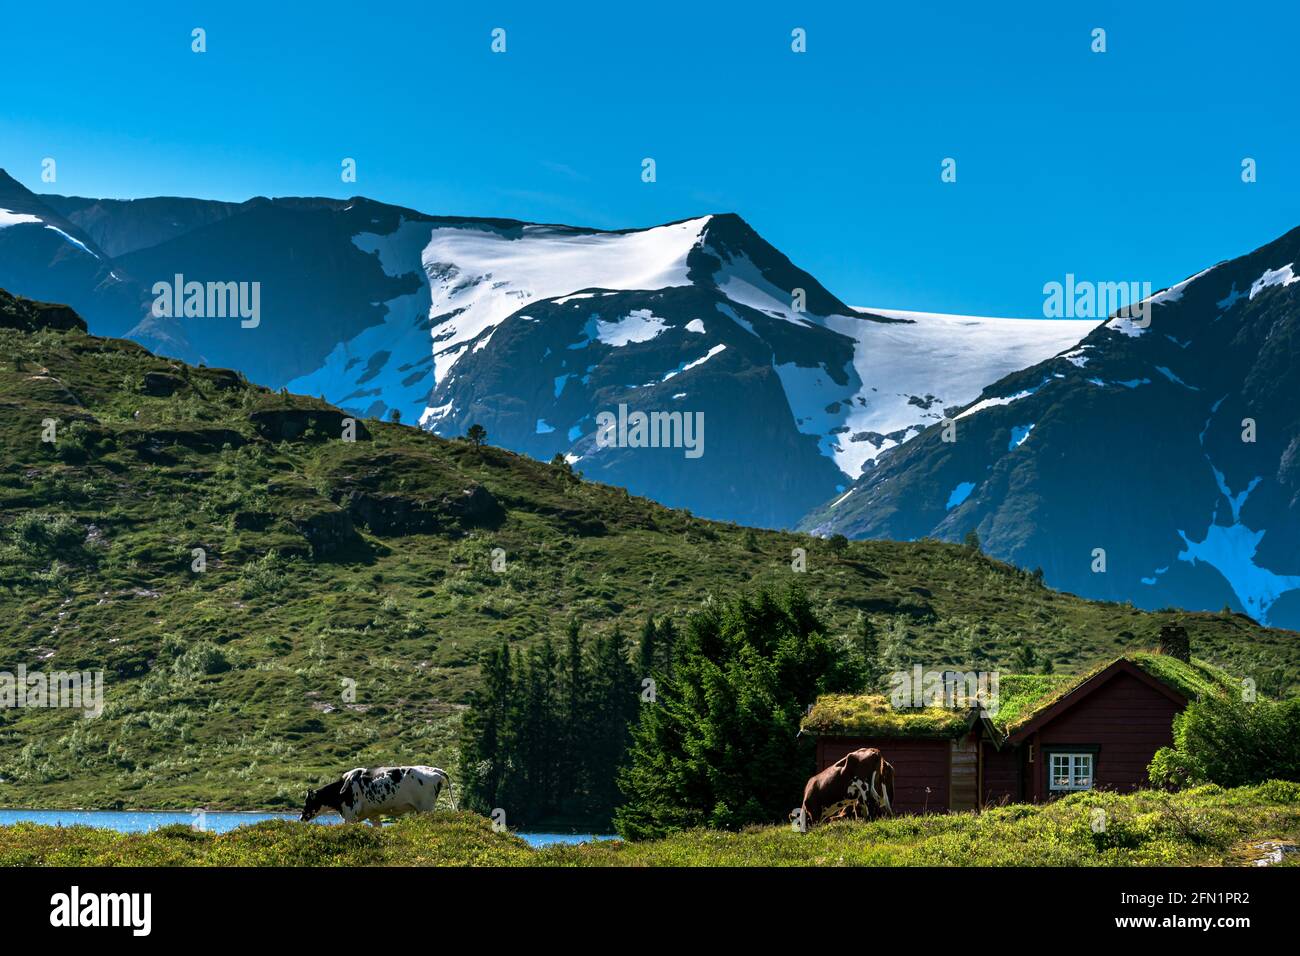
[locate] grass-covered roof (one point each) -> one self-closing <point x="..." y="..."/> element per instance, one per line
<point x="874" y="715"/>
<point x="1019" y="698"/>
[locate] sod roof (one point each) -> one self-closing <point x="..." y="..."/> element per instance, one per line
<point x="1020" y="697"/>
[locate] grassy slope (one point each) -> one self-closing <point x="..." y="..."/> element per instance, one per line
<point x="1206" y="826"/>
<point x="143" y="479"/>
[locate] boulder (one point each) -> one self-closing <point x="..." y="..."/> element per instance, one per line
<point x="162" y="384"/>
<point x="304" y="424"/>
<point x="473" y="506"/>
<point x="392" y="514"/>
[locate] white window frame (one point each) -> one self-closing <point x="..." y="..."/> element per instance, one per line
<point x="1075" y="761"/>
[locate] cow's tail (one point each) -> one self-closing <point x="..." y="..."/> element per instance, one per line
<point x="451" y="791"/>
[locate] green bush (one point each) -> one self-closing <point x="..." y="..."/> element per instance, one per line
<point x="1232" y="742"/>
<point x="76" y="442"/>
<point x="200" y="660"/>
<point x="268" y="575"/>
<point x="43" y="534"/>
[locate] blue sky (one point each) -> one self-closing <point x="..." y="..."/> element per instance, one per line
<point x="1116" y="166"/>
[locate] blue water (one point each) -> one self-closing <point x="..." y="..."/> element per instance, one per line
<point x="215" y="821"/>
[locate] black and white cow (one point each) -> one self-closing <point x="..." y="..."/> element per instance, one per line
<point x="368" y="794"/>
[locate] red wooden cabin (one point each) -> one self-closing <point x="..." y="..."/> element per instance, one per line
<point x="1101" y="733"/>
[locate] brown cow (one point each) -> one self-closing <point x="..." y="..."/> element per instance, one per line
<point x="863" y="775"/>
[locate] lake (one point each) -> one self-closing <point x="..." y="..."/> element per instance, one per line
<point x="217" y="821"/>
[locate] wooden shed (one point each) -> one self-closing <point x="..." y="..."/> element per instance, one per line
<point x="1046" y="736"/>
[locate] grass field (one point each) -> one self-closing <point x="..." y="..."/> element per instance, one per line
<point x="1205" y="826"/>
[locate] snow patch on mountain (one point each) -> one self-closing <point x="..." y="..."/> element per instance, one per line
<point x="998" y="400"/>
<point x="1274" y="277"/>
<point x="959" y="494"/>
<point x="1018" y="435"/>
<point x="9" y="218"/>
<point x="1077" y="358"/>
<point x="816" y="402"/>
<point x="841" y="498"/>
<point x="1175" y="292"/>
<point x="950" y="358"/>
<point x="732" y="314"/>
<point x="687" y="366"/>
<point x="72" y="239"/>
<point x="359" y="371"/>
<point x="1231" y="299"/>
<point x="1231" y="549"/>
<point x="742" y="281"/>
<point x="1174" y="378"/>
<point x="640" y="325"/>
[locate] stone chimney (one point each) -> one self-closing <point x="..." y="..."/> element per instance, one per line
<point x="1175" y="642"/>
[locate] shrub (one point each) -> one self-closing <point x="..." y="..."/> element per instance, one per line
<point x="76" y="442"/>
<point x="42" y="534"/>
<point x="1231" y="742"/>
<point x="267" y="575"/>
<point x="200" y="660"/>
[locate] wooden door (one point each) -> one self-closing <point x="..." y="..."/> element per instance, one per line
<point x="963" y="775"/>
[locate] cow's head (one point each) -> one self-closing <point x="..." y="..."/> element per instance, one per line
<point x="328" y="797"/>
<point x="313" y="805"/>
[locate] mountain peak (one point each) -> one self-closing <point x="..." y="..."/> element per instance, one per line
<point x="11" y="190"/>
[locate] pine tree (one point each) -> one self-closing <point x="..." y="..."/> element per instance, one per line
<point x="485" y="733"/>
<point x="646" y="650"/>
<point x="720" y="747"/>
<point x="574" y="705"/>
<point x="1025" y="658"/>
<point x="537" y="792"/>
<point x="666" y="641"/>
<point x="868" y="646"/>
<point x="974" y="657"/>
<point x="893" y="653"/>
<point x="615" y="691"/>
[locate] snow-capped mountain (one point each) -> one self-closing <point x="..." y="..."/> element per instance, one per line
<point x="1157" y="463"/>
<point x="534" y="330"/>
<point x="696" y="317"/>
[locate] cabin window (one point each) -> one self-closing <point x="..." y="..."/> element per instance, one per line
<point x="1071" y="772"/>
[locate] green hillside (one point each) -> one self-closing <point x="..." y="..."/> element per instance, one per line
<point x="349" y="586"/>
